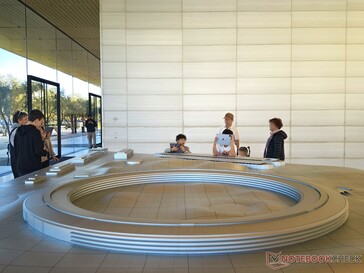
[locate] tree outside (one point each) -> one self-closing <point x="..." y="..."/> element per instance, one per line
<point x="13" y="97"/>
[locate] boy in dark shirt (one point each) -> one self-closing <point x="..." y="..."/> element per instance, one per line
<point x="29" y="146"/>
<point x="180" y="147"/>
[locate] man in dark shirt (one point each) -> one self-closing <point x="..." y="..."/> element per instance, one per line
<point x="29" y="147"/>
<point x="91" y="126"/>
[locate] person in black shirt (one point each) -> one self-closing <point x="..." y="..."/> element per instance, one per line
<point x="29" y="146"/>
<point x="91" y="126"/>
<point x="275" y="143"/>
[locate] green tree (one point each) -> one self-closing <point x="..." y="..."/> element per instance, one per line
<point x="72" y="109"/>
<point x="44" y="98"/>
<point x="12" y="98"/>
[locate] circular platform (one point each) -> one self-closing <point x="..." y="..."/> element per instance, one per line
<point x="184" y="201"/>
<point x="309" y="212"/>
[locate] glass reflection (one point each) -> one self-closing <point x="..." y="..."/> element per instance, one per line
<point x="31" y="46"/>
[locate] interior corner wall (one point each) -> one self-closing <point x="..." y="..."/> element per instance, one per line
<point x="172" y="66"/>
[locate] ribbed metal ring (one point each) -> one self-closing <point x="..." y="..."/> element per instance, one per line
<point x="318" y="211"/>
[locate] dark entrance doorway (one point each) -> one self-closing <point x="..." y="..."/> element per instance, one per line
<point x="44" y="95"/>
<point x="94" y="109"/>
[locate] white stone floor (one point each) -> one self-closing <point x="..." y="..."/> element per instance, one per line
<point x="24" y="250"/>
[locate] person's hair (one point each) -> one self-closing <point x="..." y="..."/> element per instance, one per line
<point x="18" y="115"/>
<point x="230" y="116"/>
<point x="181" y="136"/>
<point x="245" y="150"/>
<point x="227" y="132"/>
<point x="35" y="114"/>
<point x="277" y="122"/>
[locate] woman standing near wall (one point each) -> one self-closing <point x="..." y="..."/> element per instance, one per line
<point x="275" y="143"/>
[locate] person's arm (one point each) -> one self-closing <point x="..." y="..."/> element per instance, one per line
<point x="52" y="154"/>
<point x="278" y="144"/>
<point x="232" y="146"/>
<point x="185" y="149"/>
<point x="12" y="136"/>
<point x="16" y="149"/>
<point x="237" y="143"/>
<point x="237" y="138"/>
<point x="214" y="149"/>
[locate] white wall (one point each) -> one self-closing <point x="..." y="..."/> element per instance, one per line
<point x="171" y="66"/>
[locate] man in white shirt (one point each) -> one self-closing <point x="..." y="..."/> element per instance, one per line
<point x="229" y="119"/>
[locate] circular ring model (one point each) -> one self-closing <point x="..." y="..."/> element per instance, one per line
<point x="318" y="210"/>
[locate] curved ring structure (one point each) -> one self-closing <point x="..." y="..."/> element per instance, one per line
<point x="317" y="211"/>
<point x="251" y="163"/>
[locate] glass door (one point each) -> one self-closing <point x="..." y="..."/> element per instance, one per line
<point x="94" y="109"/>
<point x="44" y="95"/>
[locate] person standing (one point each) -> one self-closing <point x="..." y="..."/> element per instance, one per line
<point x="46" y="134"/>
<point x="229" y="120"/>
<point x="19" y="119"/>
<point x="91" y="126"/>
<point x="274" y="147"/>
<point x="29" y="146"/>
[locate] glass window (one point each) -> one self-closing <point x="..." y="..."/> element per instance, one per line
<point x="29" y="45"/>
<point x="12" y="71"/>
<point x="41" y="47"/>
